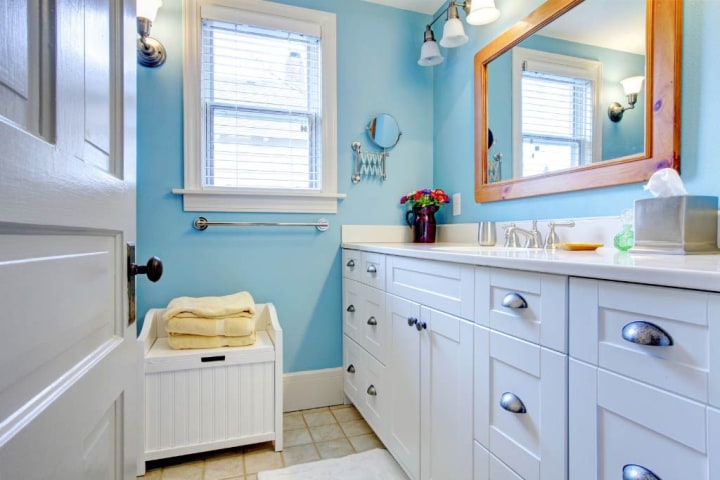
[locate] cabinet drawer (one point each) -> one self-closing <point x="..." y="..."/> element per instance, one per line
<point x="520" y="404"/>
<point x="364" y="267"/>
<point x="531" y="306"/>
<point x="616" y="421"/>
<point x="364" y="317"/>
<point x="488" y="467"/>
<point x="602" y="317"/>
<point x="447" y="287"/>
<point x="353" y="368"/>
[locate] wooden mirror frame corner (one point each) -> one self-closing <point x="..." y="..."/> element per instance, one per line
<point x="662" y="135"/>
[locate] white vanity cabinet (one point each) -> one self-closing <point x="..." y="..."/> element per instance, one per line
<point x="642" y="378"/>
<point x="520" y="398"/>
<point x="410" y="376"/>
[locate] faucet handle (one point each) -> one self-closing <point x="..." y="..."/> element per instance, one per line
<point x="552" y="238"/>
<point x="511" y="236"/>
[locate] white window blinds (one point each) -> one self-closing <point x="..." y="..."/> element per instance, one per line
<point x="261" y="101"/>
<point x="557" y="122"/>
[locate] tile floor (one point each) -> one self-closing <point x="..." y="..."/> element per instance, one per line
<point x="308" y="435"/>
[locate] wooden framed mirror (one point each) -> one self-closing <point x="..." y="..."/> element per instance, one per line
<point x="663" y="30"/>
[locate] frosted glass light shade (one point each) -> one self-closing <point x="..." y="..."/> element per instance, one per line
<point x="453" y="34"/>
<point x="632" y="85"/>
<point x="482" y="12"/>
<point x="430" y="54"/>
<point x="148" y="8"/>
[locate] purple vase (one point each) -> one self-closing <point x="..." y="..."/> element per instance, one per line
<point x="422" y="222"/>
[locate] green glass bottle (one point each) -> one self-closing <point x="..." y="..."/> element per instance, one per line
<point x="625" y="239"/>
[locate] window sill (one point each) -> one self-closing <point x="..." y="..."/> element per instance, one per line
<point x="222" y="200"/>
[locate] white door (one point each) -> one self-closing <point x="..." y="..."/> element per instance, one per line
<point x="68" y="392"/>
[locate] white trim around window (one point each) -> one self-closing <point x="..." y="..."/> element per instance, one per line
<point x="196" y="197"/>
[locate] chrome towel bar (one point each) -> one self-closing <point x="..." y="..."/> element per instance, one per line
<point x="202" y="223"/>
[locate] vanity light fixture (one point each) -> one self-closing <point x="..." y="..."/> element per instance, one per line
<point x="632" y="86"/>
<point x="478" y="12"/>
<point x="150" y="52"/>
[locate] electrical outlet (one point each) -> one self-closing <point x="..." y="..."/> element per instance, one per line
<point x="456" y="204"/>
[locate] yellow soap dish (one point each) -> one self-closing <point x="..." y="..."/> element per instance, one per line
<point x="579" y="246"/>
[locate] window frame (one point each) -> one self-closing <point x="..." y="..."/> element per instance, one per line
<point x="197" y="197"/>
<point x="557" y="64"/>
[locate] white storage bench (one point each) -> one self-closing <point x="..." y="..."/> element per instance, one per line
<point x="206" y="399"/>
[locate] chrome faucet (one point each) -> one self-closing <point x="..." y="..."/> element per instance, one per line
<point x="552" y="238"/>
<point x="533" y="238"/>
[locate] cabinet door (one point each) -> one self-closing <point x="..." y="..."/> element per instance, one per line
<point x="446" y="356"/>
<point x="352" y="364"/>
<point x="521" y="404"/>
<point x="487" y="467"/>
<point x="616" y="421"/>
<point x="403" y="366"/>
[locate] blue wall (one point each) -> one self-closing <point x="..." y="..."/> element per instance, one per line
<point x="298" y="269"/>
<point x="454" y="137"/>
<point x="377" y="72"/>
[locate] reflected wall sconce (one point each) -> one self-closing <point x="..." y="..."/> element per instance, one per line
<point x="632" y="86"/>
<point x="150" y="52"/>
<point x="478" y="12"/>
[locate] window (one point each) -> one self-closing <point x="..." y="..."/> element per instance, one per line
<point x="559" y="126"/>
<point x="260" y="108"/>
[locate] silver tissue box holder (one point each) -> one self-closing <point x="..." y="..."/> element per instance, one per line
<point x="677" y="225"/>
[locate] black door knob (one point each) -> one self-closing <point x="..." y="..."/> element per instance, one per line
<point x="153" y="269"/>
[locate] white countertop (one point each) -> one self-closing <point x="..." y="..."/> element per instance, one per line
<point x="700" y="272"/>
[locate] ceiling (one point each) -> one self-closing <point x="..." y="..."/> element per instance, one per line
<point x="428" y="7"/>
<point x="621" y="21"/>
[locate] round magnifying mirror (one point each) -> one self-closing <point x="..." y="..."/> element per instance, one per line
<point x="384" y="131"/>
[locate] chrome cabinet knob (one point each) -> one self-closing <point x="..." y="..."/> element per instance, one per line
<point x="512" y="403"/>
<point x="412" y="321"/>
<point x="350" y="309"/>
<point x="420" y="325"/>
<point x="514" y="300"/>
<point x="371" y="391"/>
<point x="637" y="472"/>
<point x="372" y="321"/>
<point x="646" y="333"/>
<point x="371" y="268"/>
<point x="351" y="368"/>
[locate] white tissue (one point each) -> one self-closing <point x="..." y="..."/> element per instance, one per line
<point x="665" y="183"/>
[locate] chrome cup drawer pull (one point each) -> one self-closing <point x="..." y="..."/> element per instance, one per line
<point x="372" y="321"/>
<point x="646" y="333"/>
<point x="514" y="300"/>
<point x="512" y="403"/>
<point x="351" y="368"/>
<point x="350" y="263"/>
<point x="371" y="269"/>
<point x="636" y="472"/>
<point x="371" y="391"/>
<point x="350" y="309"/>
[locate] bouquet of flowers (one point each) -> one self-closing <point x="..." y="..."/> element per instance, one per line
<point x="425" y="198"/>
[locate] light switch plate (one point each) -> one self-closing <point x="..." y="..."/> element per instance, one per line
<point x="456" y="204"/>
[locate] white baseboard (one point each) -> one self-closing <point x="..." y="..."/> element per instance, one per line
<point x="312" y="389"/>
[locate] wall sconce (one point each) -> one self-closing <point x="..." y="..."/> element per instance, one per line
<point x="150" y="52"/>
<point x="632" y="86"/>
<point x="478" y="12"/>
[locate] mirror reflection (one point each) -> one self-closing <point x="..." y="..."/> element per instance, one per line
<point x="384" y="131"/>
<point x="548" y="97"/>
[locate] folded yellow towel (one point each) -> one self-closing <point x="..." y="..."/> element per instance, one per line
<point x="226" y="326"/>
<point x="209" y="307"/>
<point x="181" y="342"/>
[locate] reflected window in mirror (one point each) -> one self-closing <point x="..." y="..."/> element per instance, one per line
<point x="558" y="122"/>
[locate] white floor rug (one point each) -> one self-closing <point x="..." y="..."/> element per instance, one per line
<point x="374" y="464"/>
